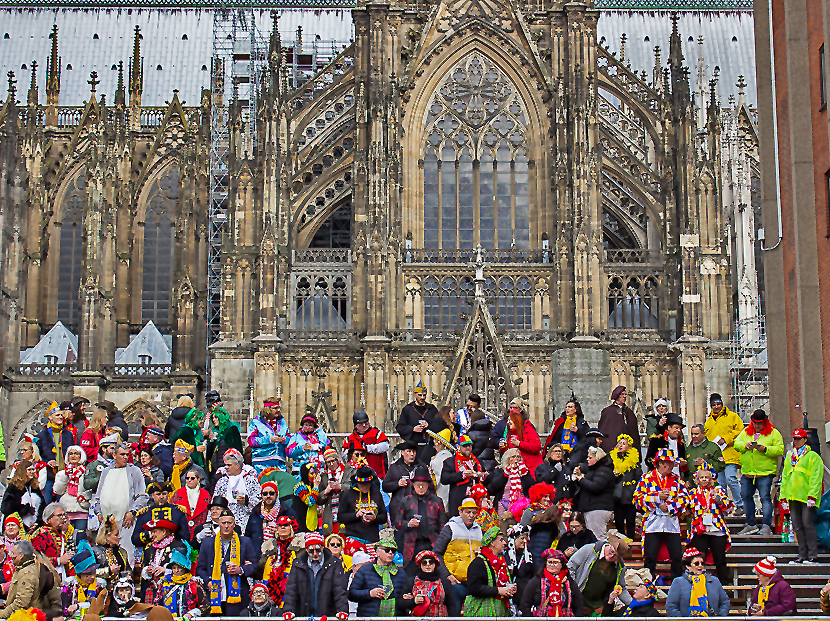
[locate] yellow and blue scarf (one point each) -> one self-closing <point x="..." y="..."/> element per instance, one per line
<point x="699" y="602"/>
<point x="234" y="585"/>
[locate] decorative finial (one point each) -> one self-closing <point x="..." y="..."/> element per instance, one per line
<point x="674" y="20"/>
<point x="12" y="85"/>
<point x="93" y="80"/>
<point x="623" y="38"/>
<point x="741" y="84"/>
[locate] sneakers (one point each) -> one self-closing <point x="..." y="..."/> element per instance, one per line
<point x="738" y="512"/>
<point x="766" y="531"/>
<point x="748" y="530"/>
<point x="796" y="561"/>
<point x="810" y="561"/>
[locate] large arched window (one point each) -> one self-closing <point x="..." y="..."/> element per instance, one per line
<point x="475" y="160"/>
<point x="70" y="262"/>
<point x="159" y="250"/>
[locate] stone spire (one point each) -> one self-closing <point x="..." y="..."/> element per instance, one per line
<point x="33" y="86"/>
<point x="136" y="84"/>
<point x="120" y="98"/>
<point x="12" y="96"/>
<point x="53" y="71"/>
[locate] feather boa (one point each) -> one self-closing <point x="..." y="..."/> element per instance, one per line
<point x="629" y="461"/>
<point x="750" y="429"/>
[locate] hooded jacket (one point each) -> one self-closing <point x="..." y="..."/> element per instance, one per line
<point x="596" y="488"/>
<point x="756" y="463"/>
<point x="781" y="599"/>
<point x="680" y="595"/>
<point x="726" y="426"/>
<point x="579" y="566"/>
<point x="175" y="421"/>
<point x="458" y="545"/>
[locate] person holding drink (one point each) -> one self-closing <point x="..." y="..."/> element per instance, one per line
<point x="237" y="482"/>
<point x="420" y="518"/>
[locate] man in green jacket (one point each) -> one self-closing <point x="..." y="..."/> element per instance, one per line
<point x="700" y="452"/>
<point x="760" y="446"/>
<point x="801" y="488"/>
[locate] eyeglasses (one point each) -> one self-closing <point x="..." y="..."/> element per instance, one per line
<point x="314" y="549"/>
<point x="335" y="544"/>
<point x="269" y="494"/>
<point x="428" y="561"/>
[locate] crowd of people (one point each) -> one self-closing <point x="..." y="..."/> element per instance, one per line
<point x="476" y="516"/>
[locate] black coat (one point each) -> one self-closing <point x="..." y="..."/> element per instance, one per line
<point x="481" y="433"/>
<point x="248" y="558"/>
<point x="533" y="598"/>
<point x="659" y="442"/>
<point x="497" y="481"/>
<point x="596" y="488"/>
<point x="560" y="478"/>
<point x="555" y="436"/>
<point x="13" y="502"/>
<point x="355" y="526"/>
<point x="328" y="588"/>
<point x="164" y="452"/>
<point x="410" y="416"/>
<point x="167" y="511"/>
<point x="647" y="610"/>
<point x="367" y="579"/>
<point x="398" y="470"/>
<point x="569" y="540"/>
<point x="175" y="422"/>
<point x="117" y="420"/>
<point x="253" y="530"/>
<point x="458" y="489"/>
<point x="477" y="585"/>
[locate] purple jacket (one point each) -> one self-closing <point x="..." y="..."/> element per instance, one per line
<point x="781" y="600"/>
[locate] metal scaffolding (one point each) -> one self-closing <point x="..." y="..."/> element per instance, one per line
<point x="750" y="374"/>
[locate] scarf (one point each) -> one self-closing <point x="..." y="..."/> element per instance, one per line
<point x="174" y="594"/>
<point x="429" y="585"/>
<point x="269" y="521"/>
<point x="387" y="604"/>
<point x="798" y="453"/>
<point x="568" y="437"/>
<point x="308" y="496"/>
<point x="636" y="604"/>
<point x="466" y="463"/>
<point x="502" y="576"/>
<point x="86" y="591"/>
<point x="750" y="429"/>
<point x="163" y="543"/>
<point x="114" y="556"/>
<point x="74" y="474"/>
<point x="183" y="579"/>
<point x="57" y="443"/>
<point x="515" y="558"/>
<point x="763" y="595"/>
<point x="623" y="462"/>
<point x="234" y="588"/>
<point x="699" y="601"/>
<point x="513" y="489"/>
<point x="176" y="477"/>
<point x="554" y="590"/>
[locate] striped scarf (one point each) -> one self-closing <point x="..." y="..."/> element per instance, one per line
<point x="234" y="588"/>
<point x="568" y="437"/>
<point x="513" y="489"/>
<point x="269" y="521"/>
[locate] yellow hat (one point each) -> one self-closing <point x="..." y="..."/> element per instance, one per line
<point x="181" y="444"/>
<point x="419" y="388"/>
<point x="52" y="409"/>
<point x="446" y="434"/>
<point x="468" y="503"/>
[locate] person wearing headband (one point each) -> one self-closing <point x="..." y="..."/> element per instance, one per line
<point x="268" y="437"/>
<point x="416" y="417"/>
<point x="307" y="445"/>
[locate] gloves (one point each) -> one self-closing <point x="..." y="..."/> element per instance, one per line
<point x="811" y="502"/>
<point x="288" y="616"/>
<point x="342" y="616"/>
<point x="558" y="466"/>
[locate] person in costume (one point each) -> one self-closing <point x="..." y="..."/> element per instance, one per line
<point x="123" y="597"/>
<point x="307" y="445"/>
<point x="521" y="434"/>
<point x="160" y="508"/>
<point x="420" y="517"/>
<point x="192" y="433"/>
<point x="226" y="561"/>
<point x="487" y="515"/>
<point x="656" y="419"/>
<point x="152" y="438"/>
<point x="193" y="500"/>
<point x="381" y="589"/>
<point x="445" y="448"/>
<point x="23" y="495"/>
<point x="672" y="439"/>
<point x="433" y="594"/>
<point x="157" y="554"/>
<point x="332" y="486"/>
<point x="56" y="539"/>
<point x="111" y="557"/>
<point x="211" y="526"/>
<point x="627" y="473"/>
<point x="543" y="517"/>
<point x="773" y="596"/>
<point x="52" y="441"/>
<point x="488" y="580"/>
<point x="463" y="418"/>
<point x="553" y="592"/>
<point x="280" y="556"/>
<point x="28" y="450"/>
<point x="709" y="531"/>
<point x="150" y="466"/>
<point x="556" y="470"/>
<point x="460" y="472"/>
<point x="184" y="462"/>
<point x="643" y="599"/>
<point x="93" y="434"/>
<point x="68" y="486"/>
<point x="512" y="481"/>
<point x="222" y="435"/>
<point x="519" y="560"/>
<point x="696" y="593"/>
<point x="261" y="604"/>
<point x="262" y="524"/>
<point x="362" y="512"/>
<point x="306" y="495"/>
<point x="801" y="483"/>
<point x="268" y="437"/>
<point x="617" y="419"/>
<point x="457" y="543"/>
<point x="178" y="591"/>
<point x="398" y="481"/>
<point x="372" y="440"/>
<point x="184" y="405"/>
<point x="238" y="483"/>
<point x="317" y="583"/>
<point x="599" y="572"/>
<point x="416" y="417"/>
<point x="663" y="497"/>
<point x="121" y="491"/>
<point x="106" y="453"/>
<point x="569" y="429"/>
<point x="12" y="529"/>
<point x="84" y="585"/>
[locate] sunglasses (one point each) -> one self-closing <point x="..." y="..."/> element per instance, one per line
<point x="269" y="493"/>
<point x="696" y="563"/>
<point x="388" y="550"/>
<point x="335" y="544"/>
<point x="428" y="561"/>
<point x="190" y="479"/>
<point x="314" y="549"/>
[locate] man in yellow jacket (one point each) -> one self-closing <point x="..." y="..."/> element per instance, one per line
<point x="458" y="543"/>
<point x="801" y="488"/>
<point x="722" y="427"/>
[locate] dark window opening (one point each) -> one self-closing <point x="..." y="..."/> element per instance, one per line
<point x="159" y="251"/>
<point x="70" y="263"/>
<point x="336" y="232"/>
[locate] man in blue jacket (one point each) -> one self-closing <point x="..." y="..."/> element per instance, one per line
<point x="382" y="589"/>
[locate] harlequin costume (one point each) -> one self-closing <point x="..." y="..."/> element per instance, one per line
<point x="182" y="595"/>
<point x="53" y="544"/>
<point x="709" y="532"/>
<point x="8" y="545"/>
<point x="157" y="554"/>
<point x="486" y="517"/>
<point x="376" y="458"/>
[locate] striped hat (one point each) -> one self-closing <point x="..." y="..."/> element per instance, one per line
<point x="464" y="440"/>
<point x="314" y="538"/>
<point x="766" y="566"/>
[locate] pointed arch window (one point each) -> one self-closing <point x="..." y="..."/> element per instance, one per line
<point x="475" y="160"/>
<point x="159" y="250"/>
<point x="70" y="264"/>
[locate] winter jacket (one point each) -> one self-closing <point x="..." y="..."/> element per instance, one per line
<point x="175" y="422"/>
<point x="709" y="451"/>
<point x="253" y="530"/>
<point x="781" y="599"/>
<point x="367" y="579"/>
<point x="327" y="588"/>
<point x="458" y="545"/>
<point x="264" y="452"/>
<point x="46" y="445"/>
<point x="116" y="421"/>
<point x="411" y="414"/>
<point x="30" y="589"/>
<point x="726" y="426"/>
<point x="532" y="598"/>
<point x="680" y="595"/>
<point x="662" y="442"/>
<point x="13" y="502"/>
<point x="376" y="444"/>
<point x="557" y="474"/>
<point x="555" y="436"/>
<point x="802" y="481"/>
<point x="530" y="446"/>
<point x="164" y="452"/>
<point x="390" y="485"/>
<point x="756" y="463"/>
<point x="296" y="443"/>
<point x="354" y="526"/>
<point x="544" y="528"/>
<point x="90" y="441"/>
<point x="497" y="482"/>
<point x="431" y="522"/>
<point x="458" y="487"/>
<point x="582" y="538"/>
<point x="595" y="491"/>
<point x="579" y="566"/>
<point x="481" y="433"/>
<point x="653" y="426"/>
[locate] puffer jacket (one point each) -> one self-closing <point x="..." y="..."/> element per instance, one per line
<point x="458" y="545"/>
<point x="727" y="426"/>
<point x="481" y="433"/>
<point x="367" y="579"/>
<point x="755" y="463"/>
<point x="781" y="599"/>
<point x="595" y="491"/>
<point x="680" y="595"/>
<point x="175" y="421"/>
<point x="803" y="480"/>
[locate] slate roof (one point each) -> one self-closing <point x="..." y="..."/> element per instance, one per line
<point x="59" y="343"/>
<point x="148" y="342"/>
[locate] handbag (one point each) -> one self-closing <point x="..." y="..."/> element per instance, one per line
<point x="618" y="489"/>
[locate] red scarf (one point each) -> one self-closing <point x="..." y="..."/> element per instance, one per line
<point x="553" y="591"/>
<point x="513" y="489"/>
<point x="73" y="475"/>
<point x="466" y="463"/>
<point x="502" y="576"/>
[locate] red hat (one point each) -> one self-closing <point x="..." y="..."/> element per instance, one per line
<point x="272" y="485"/>
<point x="691" y="552"/>
<point x="477" y="492"/>
<point x="766" y="566"/>
<point x="314" y="538"/>
<point x="171" y="526"/>
<point x="800" y="433"/>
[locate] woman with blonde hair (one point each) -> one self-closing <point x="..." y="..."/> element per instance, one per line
<point x="92" y="435"/>
<point x="27" y="449"/>
<point x="177" y="416"/>
<point x="23" y="496"/>
<point x="337" y="545"/>
<point x="112" y="558"/>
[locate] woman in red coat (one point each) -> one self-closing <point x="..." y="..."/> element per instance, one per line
<point x="193" y="500"/>
<point x="521" y="434"/>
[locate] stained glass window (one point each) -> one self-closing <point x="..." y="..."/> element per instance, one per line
<point x="159" y="250"/>
<point x="71" y="253"/>
<point x="475" y="161"/>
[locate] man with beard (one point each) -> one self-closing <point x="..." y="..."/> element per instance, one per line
<point x="672" y="439"/>
<point x="317" y="584"/>
<point x="420" y="518"/>
<point x="372" y="439"/>
<point x="262" y="525"/>
<point x="416" y="418"/>
<point x="460" y="471"/>
<point x="160" y="509"/>
<point x="397" y="482"/>
<point x="267" y="436"/>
